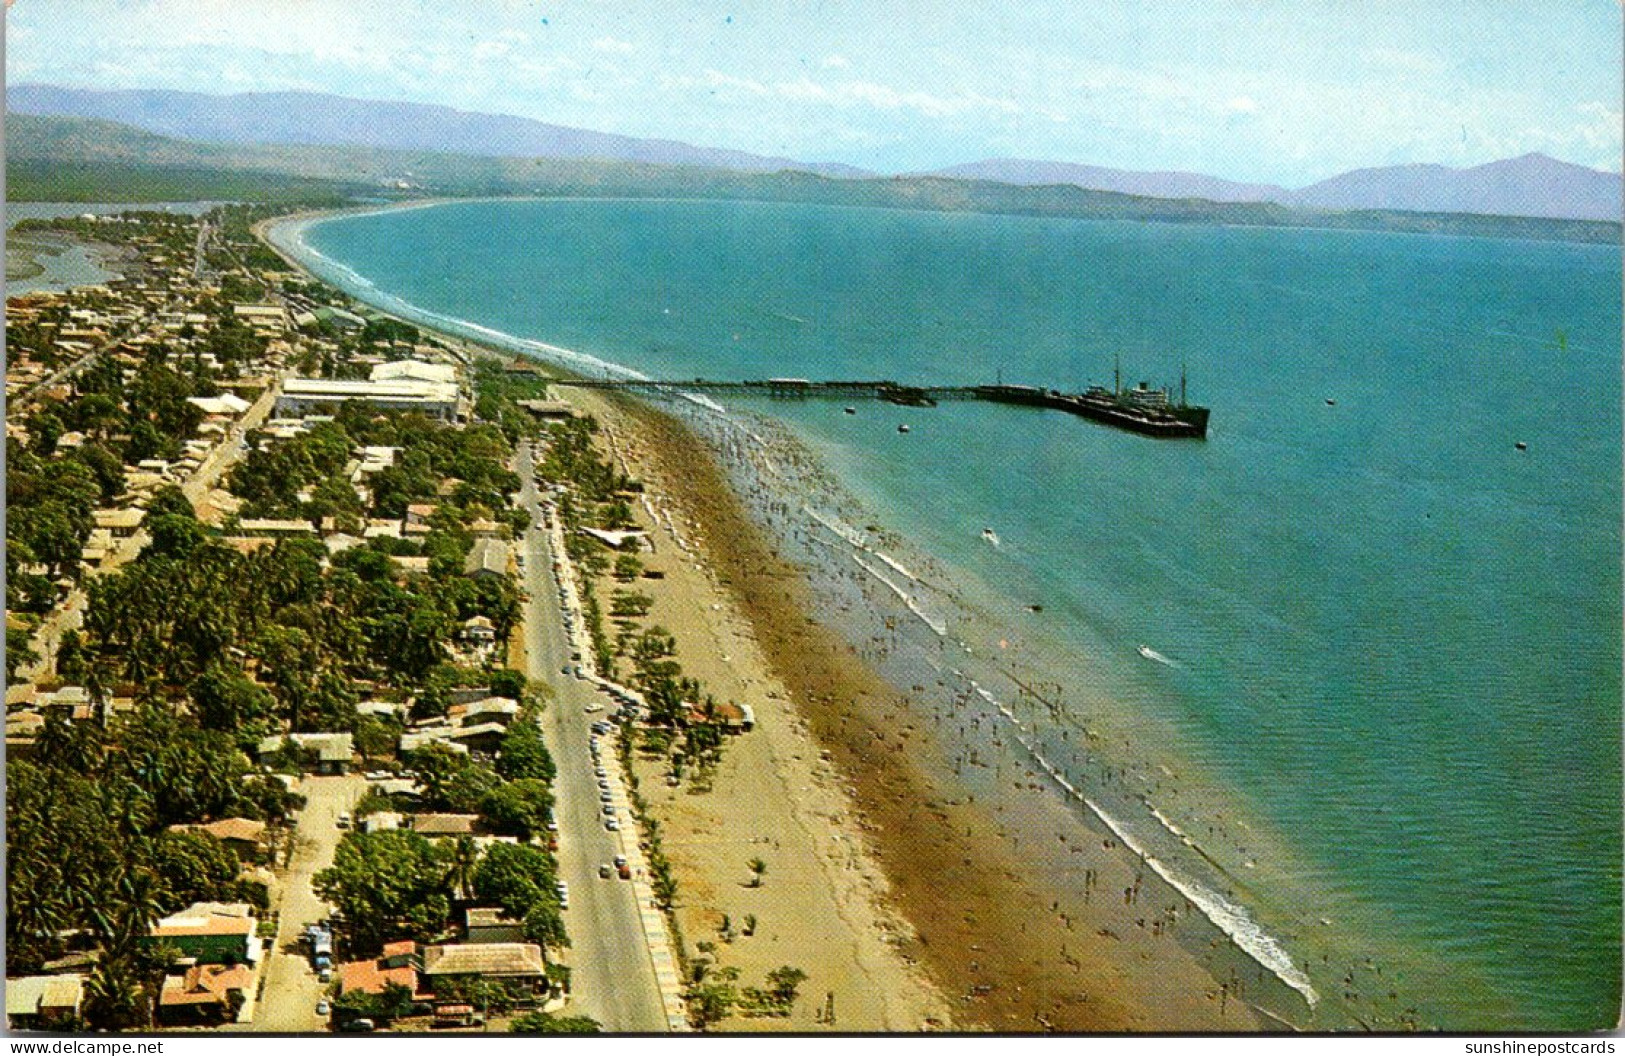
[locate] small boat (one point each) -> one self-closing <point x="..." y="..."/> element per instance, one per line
<point x="1521" y="446"/>
<point x="991" y="536"/>
<point x="851" y="410"/>
<point x="1330" y="402"/>
<point x="1035" y="608"/>
<point x="1146" y="651"/>
<point x="902" y="428"/>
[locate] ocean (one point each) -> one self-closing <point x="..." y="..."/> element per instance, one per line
<point x="1349" y="671"/>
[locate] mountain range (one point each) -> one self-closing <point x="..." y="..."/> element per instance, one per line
<point x="1531" y="185"/>
<point x="316" y="119"/>
<point x="379" y="134"/>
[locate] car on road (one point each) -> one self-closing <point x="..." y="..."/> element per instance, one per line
<point x="593" y="707"/>
<point x="323" y="1008"/>
<point x="565" y="670"/>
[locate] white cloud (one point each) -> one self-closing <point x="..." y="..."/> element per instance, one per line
<point x="613" y="46"/>
<point x="1241" y="104"/>
<point x="836" y="62"/>
<point x="718" y="79"/>
<point x="884" y="97"/>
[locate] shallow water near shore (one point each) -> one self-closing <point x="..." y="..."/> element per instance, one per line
<point x="1384" y="725"/>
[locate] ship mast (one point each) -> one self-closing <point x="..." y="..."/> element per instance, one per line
<point x="1182" y="385"/>
<point x="1117" y="375"/>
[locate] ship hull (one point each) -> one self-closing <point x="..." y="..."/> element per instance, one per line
<point x="1171" y="423"/>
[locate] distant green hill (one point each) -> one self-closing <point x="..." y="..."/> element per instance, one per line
<point x="77" y="159"/>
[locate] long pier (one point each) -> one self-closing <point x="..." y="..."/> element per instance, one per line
<point x="1145" y="411"/>
<point x="789" y="388"/>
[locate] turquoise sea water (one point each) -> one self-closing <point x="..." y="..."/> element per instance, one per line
<point x="1393" y="694"/>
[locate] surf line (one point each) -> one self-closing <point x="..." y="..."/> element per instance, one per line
<point x="937" y="626"/>
<point x="1229" y="918"/>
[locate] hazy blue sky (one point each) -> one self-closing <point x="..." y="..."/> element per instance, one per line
<point x="1250" y="89"/>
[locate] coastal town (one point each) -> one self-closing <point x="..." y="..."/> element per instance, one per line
<point x="334" y="681"/>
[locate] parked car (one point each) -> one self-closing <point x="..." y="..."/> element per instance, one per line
<point x="604" y="871"/>
<point x="612" y="825"/>
<point x="357" y="1026"/>
<point x="323" y="1008"/>
<point x="344" y="821"/>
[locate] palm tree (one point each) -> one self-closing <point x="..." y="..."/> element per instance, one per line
<point x="465" y="855"/>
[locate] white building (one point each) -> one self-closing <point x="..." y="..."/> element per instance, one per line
<point x="303" y="397"/>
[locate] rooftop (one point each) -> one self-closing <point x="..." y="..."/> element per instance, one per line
<point x="486" y="958"/>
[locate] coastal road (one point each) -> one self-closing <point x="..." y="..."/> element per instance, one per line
<point x="287" y="1002"/>
<point x="612" y="976"/>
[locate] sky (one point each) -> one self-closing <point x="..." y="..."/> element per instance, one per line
<point x="1279" y="91"/>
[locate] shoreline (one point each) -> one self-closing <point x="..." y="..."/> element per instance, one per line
<point x="920" y="830"/>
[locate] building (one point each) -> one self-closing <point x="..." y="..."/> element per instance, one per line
<point x="488" y="925"/>
<point x="519" y="964"/>
<point x="44" y="1002"/>
<point x="331" y="752"/>
<point x="415" y="370"/>
<point x="244" y="836"/>
<point x="478" y="630"/>
<point x="274" y="526"/>
<point x="444" y="824"/>
<point x="120" y="523"/>
<point x="489" y="709"/>
<point x="487" y="558"/>
<point x="211" y="933"/>
<point x="303" y="397"/>
<point x="482" y="737"/>
<point x="225" y="403"/>
<point x="399" y="965"/>
<point x="205" y="994"/>
<point x="262" y="318"/>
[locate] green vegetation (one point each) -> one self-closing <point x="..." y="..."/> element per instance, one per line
<point x="89" y="860"/>
<point x="388" y="885"/>
<point x="394" y="1003"/>
<point x="547" y="1023"/>
<point x="46" y="180"/>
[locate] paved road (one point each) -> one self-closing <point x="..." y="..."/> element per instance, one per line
<point x="287" y="1002"/>
<point x="612" y="975"/>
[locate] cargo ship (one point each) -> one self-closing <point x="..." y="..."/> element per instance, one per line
<point x="1144" y="410"/>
